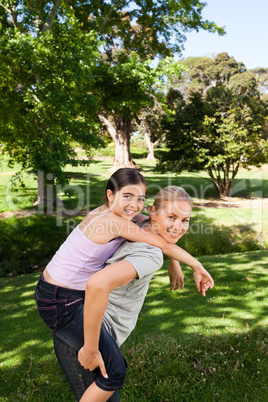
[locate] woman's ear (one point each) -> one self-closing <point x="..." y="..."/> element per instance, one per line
<point x="110" y="195"/>
<point x="152" y="212"/>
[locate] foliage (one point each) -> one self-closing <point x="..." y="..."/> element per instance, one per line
<point x="46" y="80"/>
<point x="261" y="75"/>
<point x="27" y="244"/>
<point x="147" y="28"/>
<point x="133" y="36"/>
<point x="48" y="62"/>
<point x="123" y="85"/>
<point x="222" y="129"/>
<point x="221" y="69"/>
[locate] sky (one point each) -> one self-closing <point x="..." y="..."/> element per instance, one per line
<point x="246" y="26"/>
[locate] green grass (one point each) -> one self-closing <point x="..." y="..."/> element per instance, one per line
<point x="91" y="178"/>
<point x="184" y="348"/>
<point x="27" y="244"/>
<point x="222" y="368"/>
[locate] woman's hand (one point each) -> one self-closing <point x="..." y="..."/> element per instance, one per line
<point x="175" y="274"/>
<point x="91" y="360"/>
<point x="203" y="279"/>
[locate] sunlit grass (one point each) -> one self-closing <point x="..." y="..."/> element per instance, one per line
<point x="94" y="174"/>
<point x="181" y="339"/>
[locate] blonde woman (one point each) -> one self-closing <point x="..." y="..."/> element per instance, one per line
<point x="114" y="297"/>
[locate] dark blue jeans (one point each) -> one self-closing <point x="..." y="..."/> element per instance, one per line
<point x="62" y="310"/>
<point x="78" y="377"/>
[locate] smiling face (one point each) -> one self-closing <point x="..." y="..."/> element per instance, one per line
<point x="171" y="221"/>
<point x="128" y="201"/>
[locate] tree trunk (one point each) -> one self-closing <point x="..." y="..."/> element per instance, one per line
<point x="151" y="146"/>
<point x="121" y="136"/>
<point x="223" y="187"/>
<point x="47" y="198"/>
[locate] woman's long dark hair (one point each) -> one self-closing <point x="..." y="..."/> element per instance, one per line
<point x="124" y="177"/>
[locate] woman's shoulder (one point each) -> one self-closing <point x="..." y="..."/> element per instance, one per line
<point x="97" y="213"/>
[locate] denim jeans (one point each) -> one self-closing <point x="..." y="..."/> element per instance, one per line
<point x="78" y="377"/>
<point x="62" y="310"/>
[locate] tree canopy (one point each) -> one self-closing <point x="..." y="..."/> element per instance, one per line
<point x="137" y="34"/>
<point x="47" y="66"/>
<point x="220" y="128"/>
<point x="63" y="63"/>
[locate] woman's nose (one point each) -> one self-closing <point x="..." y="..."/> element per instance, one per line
<point x="133" y="202"/>
<point x="177" y="225"/>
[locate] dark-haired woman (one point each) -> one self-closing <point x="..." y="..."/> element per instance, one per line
<point x="60" y="291"/>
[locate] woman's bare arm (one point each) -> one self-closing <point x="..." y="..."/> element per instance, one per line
<point x="98" y="288"/>
<point x="118" y="226"/>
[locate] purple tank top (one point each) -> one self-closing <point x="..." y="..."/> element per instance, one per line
<point x="78" y="258"/>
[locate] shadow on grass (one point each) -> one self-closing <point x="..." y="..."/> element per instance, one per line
<point x="236" y="303"/>
<point x="196" y="185"/>
<point x="215" y="368"/>
<point x="180" y="338"/>
<point x="29" y="369"/>
<point x="87" y="188"/>
<point x="86" y="191"/>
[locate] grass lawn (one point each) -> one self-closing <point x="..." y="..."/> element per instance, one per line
<point x="90" y="180"/>
<point x="185" y="347"/>
<point x="29" y="243"/>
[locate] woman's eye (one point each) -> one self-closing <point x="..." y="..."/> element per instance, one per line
<point x="171" y="217"/>
<point x="127" y="196"/>
<point x="141" y="200"/>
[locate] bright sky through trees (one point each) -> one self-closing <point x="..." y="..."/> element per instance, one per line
<point x="246" y="36"/>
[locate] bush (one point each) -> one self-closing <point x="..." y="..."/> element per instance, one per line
<point x="28" y="243"/>
<point x="205" y="238"/>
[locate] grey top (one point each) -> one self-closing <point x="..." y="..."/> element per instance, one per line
<point x="125" y="302"/>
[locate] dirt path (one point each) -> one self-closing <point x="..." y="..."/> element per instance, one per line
<point x="258" y="203"/>
<point x="261" y="203"/>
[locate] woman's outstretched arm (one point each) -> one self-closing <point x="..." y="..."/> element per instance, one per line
<point x="118" y="226"/>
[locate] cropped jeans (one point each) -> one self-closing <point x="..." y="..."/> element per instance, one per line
<point x="62" y="310"/>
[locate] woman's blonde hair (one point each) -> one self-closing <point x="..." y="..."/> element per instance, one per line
<point x="170" y="194"/>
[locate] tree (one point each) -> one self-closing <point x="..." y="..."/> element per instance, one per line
<point x="55" y="57"/>
<point x="205" y="72"/>
<point x="149" y="124"/>
<point x="221" y="133"/>
<point x="219" y="69"/>
<point x="123" y="92"/>
<point x="261" y="75"/>
<point x="132" y="35"/>
<point x="47" y="64"/>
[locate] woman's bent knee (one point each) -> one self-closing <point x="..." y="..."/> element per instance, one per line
<point x="116" y="377"/>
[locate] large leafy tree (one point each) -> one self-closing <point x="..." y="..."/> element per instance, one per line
<point x="221" y="131"/>
<point x="132" y="34"/>
<point x="204" y="72"/>
<point x="47" y="64"/>
<point x="123" y="88"/>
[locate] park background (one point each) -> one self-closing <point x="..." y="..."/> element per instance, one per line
<point x="61" y="106"/>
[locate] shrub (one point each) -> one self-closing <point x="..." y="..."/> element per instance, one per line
<point x="28" y="243"/>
